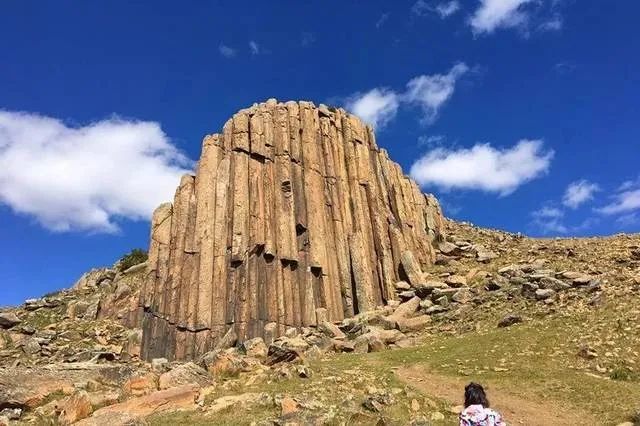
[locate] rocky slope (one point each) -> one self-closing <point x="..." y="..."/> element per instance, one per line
<point x="66" y="359"/>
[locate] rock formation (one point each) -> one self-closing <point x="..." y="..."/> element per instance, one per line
<point x="293" y="208"/>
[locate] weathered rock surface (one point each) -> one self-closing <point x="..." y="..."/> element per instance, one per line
<point x="8" y="320"/>
<point x="177" y="398"/>
<point x="293" y="207"/>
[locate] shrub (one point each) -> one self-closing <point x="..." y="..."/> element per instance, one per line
<point x="132" y="258"/>
<point x="622" y="374"/>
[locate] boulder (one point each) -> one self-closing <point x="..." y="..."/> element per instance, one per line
<point x="159" y="365"/>
<point x="463" y="295"/>
<point x="407" y="308"/>
<point x="226" y="363"/>
<point x="411" y="268"/>
<point x="443" y="292"/>
<point x="544" y="293"/>
<point x="413" y="324"/>
<point x="141" y="384"/>
<point x="331" y="330"/>
<point x="483" y="255"/>
<point x="509" y="320"/>
<point x="183" y="374"/>
<point x="177" y="398"/>
<point x="255" y="348"/>
<point x="270" y="333"/>
<point x="75" y="408"/>
<point x="456" y="281"/>
<point x="9" y="320"/>
<point x="95" y="278"/>
<point x="227" y="402"/>
<point x="449" y="249"/>
<point x="553" y="284"/>
<point x="31" y="346"/>
<point x="122" y="290"/>
<point x="402" y="286"/>
<point x="587" y="353"/>
<point x="288" y="406"/>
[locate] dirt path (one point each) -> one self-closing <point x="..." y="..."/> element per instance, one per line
<point x="515" y="410"/>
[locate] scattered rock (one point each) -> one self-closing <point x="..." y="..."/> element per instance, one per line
<point x="159" y="365"/>
<point x="448" y="248"/>
<point x="456" y="281"/>
<point x="402" y="285"/>
<point x="255" y="347"/>
<point x="11" y="413"/>
<point x="181" y="397"/>
<point x="437" y="416"/>
<point x="483" y="255"/>
<point x="413" y="324"/>
<point x="9" y="320"/>
<point x="31" y="346"/>
<point x="509" y="320"/>
<point x="543" y="294"/>
<point x="587" y="353"/>
<point x="142" y="384"/>
<point x="331" y="330"/>
<point x="75" y="408"/>
<point x="288" y="406"/>
<point x="187" y="373"/>
<point x="463" y="295"/>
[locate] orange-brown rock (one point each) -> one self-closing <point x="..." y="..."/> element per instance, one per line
<point x="177" y="398"/>
<point x="75" y="408"/>
<point x="293" y="208"/>
<point x="139" y="385"/>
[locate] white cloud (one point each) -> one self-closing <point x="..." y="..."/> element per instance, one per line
<point x="541" y="15"/>
<point x="547" y="212"/>
<point x="381" y="21"/>
<point x="549" y="220"/>
<point x="226" y="51"/>
<point x="380" y="105"/>
<point x="483" y="167"/>
<point x="254" y="47"/>
<point x="494" y="14"/>
<point x="552" y="24"/>
<point x="444" y="9"/>
<point x="447" y="9"/>
<point x="376" y="107"/>
<point x="579" y="192"/>
<point x="624" y="202"/>
<point x="431" y="141"/>
<point x="85" y="178"/>
<point x="432" y="91"/>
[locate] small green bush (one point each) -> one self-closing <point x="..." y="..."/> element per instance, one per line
<point x="134" y="257"/>
<point x="622" y="374"/>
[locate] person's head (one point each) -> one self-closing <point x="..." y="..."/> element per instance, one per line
<point x="474" y="395"/>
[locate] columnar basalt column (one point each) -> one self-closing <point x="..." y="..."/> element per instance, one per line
<point x="293" y="207"/>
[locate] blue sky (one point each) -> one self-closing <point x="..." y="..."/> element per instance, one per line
<point x="518" y="114"/>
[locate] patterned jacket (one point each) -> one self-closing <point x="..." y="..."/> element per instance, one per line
<point x="477" y="415"/>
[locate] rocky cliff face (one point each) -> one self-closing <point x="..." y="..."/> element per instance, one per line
<point x="294" y="214"/>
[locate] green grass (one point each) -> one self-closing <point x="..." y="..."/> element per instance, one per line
<point x="540" y="361"/>
<point x="539" y="357"/>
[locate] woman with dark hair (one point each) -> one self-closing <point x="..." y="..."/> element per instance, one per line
<point x="476" y="408"/>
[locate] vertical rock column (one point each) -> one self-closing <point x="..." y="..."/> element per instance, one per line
<point x="293" y="207"/>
